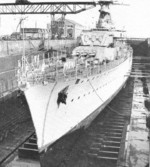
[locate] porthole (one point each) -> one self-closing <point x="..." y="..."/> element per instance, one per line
<point x="72" y="100"/>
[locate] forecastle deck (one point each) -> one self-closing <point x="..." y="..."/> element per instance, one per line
<point x="46" y="72"/>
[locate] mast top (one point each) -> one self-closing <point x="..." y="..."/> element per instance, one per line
<point x="105" y="20"/>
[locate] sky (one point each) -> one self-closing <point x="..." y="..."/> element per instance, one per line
<point x="135" y="18"/>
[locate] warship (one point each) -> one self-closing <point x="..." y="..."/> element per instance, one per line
<point x="67" y="92"/>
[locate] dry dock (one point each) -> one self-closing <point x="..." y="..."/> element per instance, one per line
<point x="137" y="149"/>
<point x="118" y="137"/>
<point x="137" y="153"/>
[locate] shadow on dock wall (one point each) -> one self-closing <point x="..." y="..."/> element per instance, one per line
<point x="140" y="48"/>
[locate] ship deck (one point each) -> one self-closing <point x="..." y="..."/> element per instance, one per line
<point x="53" y="72"/>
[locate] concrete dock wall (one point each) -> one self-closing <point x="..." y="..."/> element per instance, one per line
<point x="10" y="48"/>
<point x="11" y="52"/>
<point x="140" y="47"/>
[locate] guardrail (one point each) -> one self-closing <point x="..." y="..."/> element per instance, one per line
<point x="56" y="72"/>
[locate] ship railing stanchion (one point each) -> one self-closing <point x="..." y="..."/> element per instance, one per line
<point x="56" y="71"/>
<point x="86" y="68"/>
<point x="61" y="53"/>
<point x="49" y="59"/>
<point x="90" y="69"/>
<point x="76" y="69"/>
<point x="98" y="67"/>
<point x="105" y="66"/>
<point x="43" y="59"/>
<point x="109" y="65"/>
<point x="86" y="71"/>
<point x="56" y="65"/>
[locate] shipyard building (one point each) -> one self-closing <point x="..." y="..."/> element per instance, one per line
<point x="30" y="33"/>
<point x="59" y="29"/>
<point x="64" y="28"/>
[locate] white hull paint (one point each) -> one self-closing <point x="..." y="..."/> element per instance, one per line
<point x="85" y="101"/>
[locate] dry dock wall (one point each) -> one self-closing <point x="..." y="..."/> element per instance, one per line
<point x="10" y="53"/>
<point x="140" y="47"/>
<point x="10" y="48"/>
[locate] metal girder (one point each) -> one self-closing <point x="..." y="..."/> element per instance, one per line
<point x="46" y="7"/>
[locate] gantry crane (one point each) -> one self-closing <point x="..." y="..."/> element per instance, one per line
<point x="51" y="7"/>
<point x="27" y="7"/>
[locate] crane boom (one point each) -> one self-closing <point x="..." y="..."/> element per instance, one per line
<point x="52" y="7"/>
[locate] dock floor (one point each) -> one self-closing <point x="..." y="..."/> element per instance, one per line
<point x="138" y="143"/>
<point x="137" y="135"/>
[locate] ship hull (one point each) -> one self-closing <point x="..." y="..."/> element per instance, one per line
<point x="86" y="98"/>
<point x="87" y="121"/>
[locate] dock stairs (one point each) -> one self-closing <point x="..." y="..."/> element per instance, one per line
<point x="29" y="150"/>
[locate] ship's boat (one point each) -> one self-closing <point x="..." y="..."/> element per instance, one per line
<point x="65" y="93"/>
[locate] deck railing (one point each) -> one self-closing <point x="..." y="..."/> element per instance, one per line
<point x="55" y="72"/>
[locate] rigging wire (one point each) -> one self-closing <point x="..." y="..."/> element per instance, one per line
<point x="113" y="110"/>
